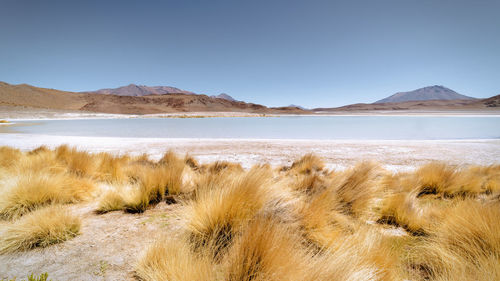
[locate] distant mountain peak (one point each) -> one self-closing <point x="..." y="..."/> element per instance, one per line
<point x="223" y="96"/>
<point x="141" y="90"/>
<point x="297" y="106"/>
<point x="436" y="92"/>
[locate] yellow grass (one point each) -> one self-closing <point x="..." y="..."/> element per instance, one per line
<point x="9" y="156"/>
<point x="465" y="244"/>
<point x="216" y="213"/>
<point x="301" y="222"/>
<point x="154" y="183"/>
<point x="403" y="209"/>
<point x="40" y="228"/>
<point x="173" y="259"/>
<point x="31" y="190"/>
<point x="358" y="188"/>
<point x="321" y="218"/>
<point x="79" y="163"/>
<point x="307" y="164"/>
<point x="112" y="200"/>
<point x="266" y="250"/>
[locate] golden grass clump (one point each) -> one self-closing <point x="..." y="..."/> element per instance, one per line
<point x="111" y="169"/>
<point x="404" y="210"/>
<point x="40" y="228"/>
<point x="40" y="149"/>
<point x="216" y="213"/>
<point x="173" y="259"/>
<point x="435" y="178"/>
<point x="322" y="220"/>
<point x="465" y="245"/>
<point x="80" y="163"/>
<point x="40" y="162"/>
<point x="173" y="174"/>
<point x="444" y="180"/>
<point x="358" y="187"/>
<point x="364" y="255"/>
<point x="309" y="183"/>
<point x="266" y="250"/>
<point x="219" y="166"/>
<point x="112" y="200"/>
<point x="191" y="162"/>
<point x="32" y="190"/>
<point x="9" y="156"/>
<point x="480" y="179"/>
<point x="309" y="163"/>
<point x="154" y="183"/>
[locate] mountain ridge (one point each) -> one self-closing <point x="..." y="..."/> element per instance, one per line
<point x="133" y="90"/>
<point x="36" y="97"/>
<point x="223" y="96"/>
<point x="436" y="92"/>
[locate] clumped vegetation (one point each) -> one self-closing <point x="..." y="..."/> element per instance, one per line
<point x="40" y="228"/>
<point x="304" y="222"/>
<point x="298" y="222"/>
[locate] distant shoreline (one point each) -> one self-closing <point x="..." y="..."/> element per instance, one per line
<point x="393" y="154"/>
<point x="28" y="114"/>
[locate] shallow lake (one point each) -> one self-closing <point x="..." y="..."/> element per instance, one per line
<point x="290" y="127"/>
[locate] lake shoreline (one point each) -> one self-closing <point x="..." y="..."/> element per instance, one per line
<point x="396" y="155"/>
<point x="17" y="113"/>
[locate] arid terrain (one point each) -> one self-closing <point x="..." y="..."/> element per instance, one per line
<point x="489" y="105"/>
<point x="42" y="98"/>
<point x="99" y="216"/>
<point x="143" y="100"/>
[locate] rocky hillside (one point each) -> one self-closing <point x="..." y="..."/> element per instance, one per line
<point x="35" y="97"/>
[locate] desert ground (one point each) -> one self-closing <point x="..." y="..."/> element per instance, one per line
<point x="246" y="209"/>
<point x="105" y="216"/>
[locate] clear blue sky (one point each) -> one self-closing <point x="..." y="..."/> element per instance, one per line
<point x="310" y="53"/>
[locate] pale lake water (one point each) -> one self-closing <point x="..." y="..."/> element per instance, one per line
<point x="296" y="127"/>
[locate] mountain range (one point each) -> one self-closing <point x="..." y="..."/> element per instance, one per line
<point x="137" y="99"/>
<point x="431" y="98"/>
<point x="133" y="100"/>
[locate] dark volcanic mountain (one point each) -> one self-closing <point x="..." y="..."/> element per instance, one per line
<point x="425" y="94"/>
<point x="133" y="90"/>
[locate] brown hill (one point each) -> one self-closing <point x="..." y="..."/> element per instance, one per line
<point x="34" y="97"/>
<point x="492" y="103"/>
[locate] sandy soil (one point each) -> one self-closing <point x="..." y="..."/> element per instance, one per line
<point x="107" y="248"/>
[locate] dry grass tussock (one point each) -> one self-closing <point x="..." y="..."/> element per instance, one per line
<point x="465" y="244"/>
<point x="306" y="223"/>
<point x="30" y="190"/>
<point x="40" y="228"/>
<point x="301" y="222"/>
